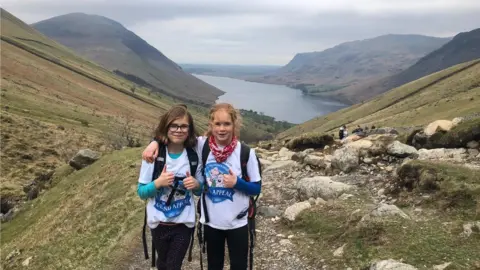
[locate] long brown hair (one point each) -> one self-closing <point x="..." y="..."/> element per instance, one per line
<point x="234" y="115"/>
<point x="176" y="112"/>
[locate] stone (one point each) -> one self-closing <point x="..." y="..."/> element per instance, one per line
<point x="339" y="251"/>
<point x="320" y="201"/>
<point x="389" y="169"/>
<point x="346" y="159"/>
<point x="294" y="210"/>
<point x="315" y="161"/>
<point x="269" y="211"/>
<point x="280" y="165"/>
<point x="457" y="120"/>
<point x="383" y="211"/>
<point x="321" y="186"/>
<point x="285" y="153"/>
<point x="443" y="125"/>
<point x="311" y="201"/>
<point x="26" y="262"/>
<point x="84" y="158"/>
<point x="442" y="266"/>
<point x="368" y="160"/>
<point x="391" y="265"/>
<point x="473" y="145"/>
<point x="308" y="151"/>
<point x="298" y="156"/>
<point x="381" y="192"/>
<point x="401" y="150"/>
<point x="265" y="162"/>
<point x="345" y="196"/>
<point x="285" y="242"/>
<point x="470" y="227"/>
<point x="458" y="154"/>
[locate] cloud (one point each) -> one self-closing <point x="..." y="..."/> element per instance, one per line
<point x="262" y="31"/>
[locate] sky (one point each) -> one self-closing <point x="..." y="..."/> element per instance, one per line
<point x="261" y="32"/>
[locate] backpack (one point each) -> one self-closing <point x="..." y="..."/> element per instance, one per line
<point x="252" y="209"/>
<point x="158" y="168"/>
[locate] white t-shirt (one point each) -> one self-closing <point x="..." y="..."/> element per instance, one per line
<point x="182" y="207"/>
<point x="224" y="204"/>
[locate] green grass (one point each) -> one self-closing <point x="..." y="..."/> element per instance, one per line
<point x="83" y="221"/>
<point x="451" y="188"/>
<point x="443" y="95"/>
<point x="422" y="243"/>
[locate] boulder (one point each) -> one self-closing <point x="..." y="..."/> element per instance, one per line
<point x="269" y="211"/>
<point x="457" y="120"/>
<point x="315" y="161"/>
<point x="265" y="162"/>
<point x="473" y="144"/>
<point x="299" y="156"/>
<point x="279" y="165"/>
<point x="285" y="154"/>
<point x="380" y="143"/>
<point x="294" y="210"/>
<point x="443" y="154"/>
<point x="443" y="125"/>
<point x="391" y="265"/>
<point x="320" y="187"/>
<point x="346" y="159"/>
<point x="84" y="158"/>
<point x="401" y="150"/>
<point x="388" y="210"/>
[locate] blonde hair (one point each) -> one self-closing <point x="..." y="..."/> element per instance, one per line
<point x="234" y="115"/>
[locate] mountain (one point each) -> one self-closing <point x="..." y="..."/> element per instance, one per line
<point x="462" y="48"/>
<point x="352" y="62"/>
<point x="446" y="94"/>
<point x="111" y="45"/>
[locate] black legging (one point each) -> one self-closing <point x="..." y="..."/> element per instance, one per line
<point x="171" y="243"/>
<point x="237" y="241"/>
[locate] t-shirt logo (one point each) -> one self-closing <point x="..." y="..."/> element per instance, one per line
<point x="215" y="173"/>
<point x="180" y="199"/>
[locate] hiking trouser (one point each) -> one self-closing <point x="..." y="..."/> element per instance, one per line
<point x="171" y="243"/>
<point x="237" y="242"/>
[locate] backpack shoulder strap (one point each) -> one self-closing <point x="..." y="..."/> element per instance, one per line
<point x="193" y="159"/>
<point x="159" y="161"/>
<point x="244" y="157"/>
<point x="205" y="153"/>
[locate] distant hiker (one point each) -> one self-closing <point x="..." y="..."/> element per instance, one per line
<point x="228" y="201"/>
<point x="167" y="185"/>
<point x="340" y="133"/>
<point x="345" y="131"/>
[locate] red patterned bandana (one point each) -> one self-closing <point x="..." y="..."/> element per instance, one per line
<point x="222" y="154"/>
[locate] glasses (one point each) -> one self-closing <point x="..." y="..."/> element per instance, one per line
<point x="174" y="127"/>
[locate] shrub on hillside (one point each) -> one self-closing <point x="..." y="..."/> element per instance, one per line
<point x="310" y="140"/>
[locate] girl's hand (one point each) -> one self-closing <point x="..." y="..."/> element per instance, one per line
<point x="165" y="179"/>
<point x="151" y="152"/>
<point x="229" y="180"/>
<point x="190" y="183"/>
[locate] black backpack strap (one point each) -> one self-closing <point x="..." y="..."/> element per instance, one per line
<point x="193" y="159"/>
<point x="205" y="153"/>
<point x="157" y="170"/>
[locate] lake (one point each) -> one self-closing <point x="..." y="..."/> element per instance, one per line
<point x="278" y="101"/>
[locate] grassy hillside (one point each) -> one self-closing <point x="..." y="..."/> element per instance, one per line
<point x="442" y="95"/>
<point x="111" y="45"/>
<point x="85" y="222"/>
<point x="55" y="103"/>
